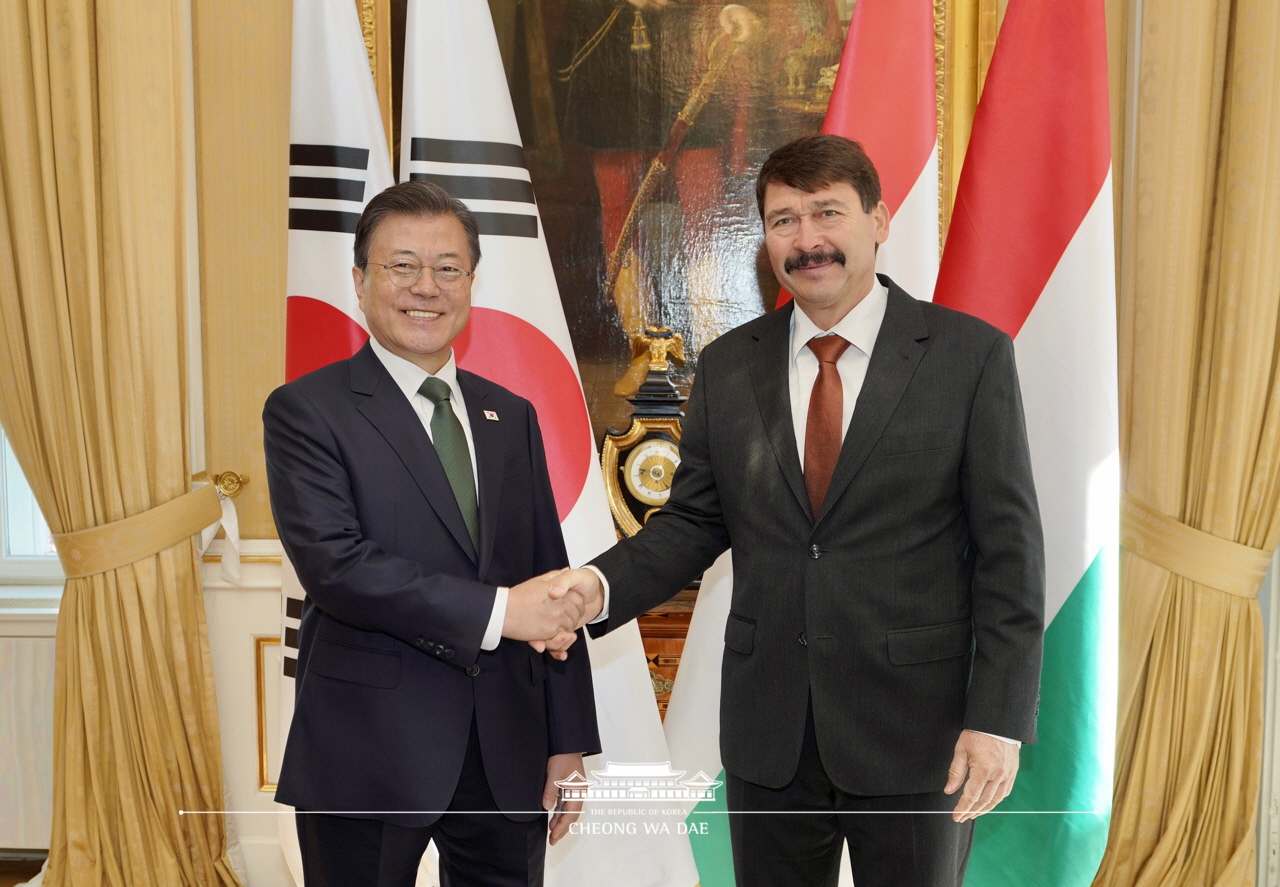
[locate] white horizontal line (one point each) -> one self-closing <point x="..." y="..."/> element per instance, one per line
<point x="607" y="812"/>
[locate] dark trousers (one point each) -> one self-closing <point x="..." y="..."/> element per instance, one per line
<point x="894" y="841"/>
<point x="479" y="847"/>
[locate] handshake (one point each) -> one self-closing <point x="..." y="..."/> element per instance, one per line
<point x="547" y="610"/>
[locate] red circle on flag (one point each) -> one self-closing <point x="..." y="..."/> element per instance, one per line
<point x="517" y="355"/>
<point x="317" y="334"/>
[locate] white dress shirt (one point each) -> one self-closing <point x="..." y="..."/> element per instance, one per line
<point x="859" y="328"/>
<point x="409" y="378"/>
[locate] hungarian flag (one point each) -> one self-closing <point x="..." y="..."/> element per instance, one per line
<point x="1031" y="250"/>
<point x="884" y="98"/>
<point x="459" y="131"/>
<point x="338" y="159"/>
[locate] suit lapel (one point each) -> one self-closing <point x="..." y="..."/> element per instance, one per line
<point x="894" y="359"/>
<point x="388" y="411"/>
<point x="769" y="377"/>
<point x="486" y="437"/>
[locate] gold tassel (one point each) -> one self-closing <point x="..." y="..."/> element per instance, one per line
<point x="639" y="34"/>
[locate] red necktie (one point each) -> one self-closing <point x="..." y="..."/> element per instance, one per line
<point x="825" y="427"/>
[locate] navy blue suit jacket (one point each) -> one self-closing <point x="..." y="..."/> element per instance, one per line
<point x="390" y="670"/>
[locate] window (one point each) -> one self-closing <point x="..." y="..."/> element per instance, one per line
<point x="27" y="555"/>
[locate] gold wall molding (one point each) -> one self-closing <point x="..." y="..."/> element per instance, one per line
<point x="966" y="32"/>
<point x="367" y="11"/>
<point x="252" y="551"/>
<point x="264" y="713"/>
<point x="375" y="24"/>
<point x="940" y="18"/>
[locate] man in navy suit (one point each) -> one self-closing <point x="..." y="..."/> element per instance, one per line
<point x="414" y="501"/>
<point x="864" y="455"/>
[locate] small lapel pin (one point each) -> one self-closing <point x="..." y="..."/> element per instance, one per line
<point x="491" y="415"/>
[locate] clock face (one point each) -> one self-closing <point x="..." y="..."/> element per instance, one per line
<point x="649" y="469"/>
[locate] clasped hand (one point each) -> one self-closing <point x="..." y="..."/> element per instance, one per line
<point x="547" y="610"/>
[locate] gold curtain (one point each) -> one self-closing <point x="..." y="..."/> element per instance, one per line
<point x="1200" y="427"/>
<point x="93" y="156"/>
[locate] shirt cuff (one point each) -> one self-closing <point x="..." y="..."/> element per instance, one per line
<point x="604" y="585"/>
<point x="493" y="632"/>
<point x="1016" y="742"/>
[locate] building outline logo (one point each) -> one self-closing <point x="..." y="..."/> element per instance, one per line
<point x="638" y="782"/>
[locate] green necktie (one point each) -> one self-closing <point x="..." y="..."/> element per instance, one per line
<point x="455" y="455"/>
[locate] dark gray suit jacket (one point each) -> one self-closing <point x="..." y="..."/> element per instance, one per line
<point x="911" y="606"/>
<point x="390" y="670"/>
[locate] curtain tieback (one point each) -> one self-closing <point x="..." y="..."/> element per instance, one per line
<point x="126" y="541"/>
<point x="1199" y="556"/>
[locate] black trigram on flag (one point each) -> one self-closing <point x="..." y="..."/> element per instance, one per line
<point x="334" y="178"/>
<point x="439" y="160"/>
<point x="292" y="619"/>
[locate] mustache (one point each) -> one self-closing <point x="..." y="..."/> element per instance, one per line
<point x="804" y="260"/>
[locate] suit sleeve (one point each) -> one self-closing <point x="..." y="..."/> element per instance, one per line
<point x="349" y="576"/>
<point x="683" y="539"/>
<point x="570" y="695"/>
<point x="1008" y="549"/>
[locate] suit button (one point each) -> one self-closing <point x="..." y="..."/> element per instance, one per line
<point x="814" y="551"/>
<point x="447" y="654"/>
<point x="804" y="639"/>
<point x="419" y="642"/>
<point x="473" y="670"/>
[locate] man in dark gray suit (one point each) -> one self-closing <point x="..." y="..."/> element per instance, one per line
<point x="884" y="639"/>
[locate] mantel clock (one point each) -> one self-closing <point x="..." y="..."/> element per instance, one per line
<point x="640" y="463"/>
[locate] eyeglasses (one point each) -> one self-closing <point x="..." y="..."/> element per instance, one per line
<point x="402" y="273"/>
<point x="826" y="218"/>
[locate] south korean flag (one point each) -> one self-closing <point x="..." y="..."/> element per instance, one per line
<point x="338" y="159"/>
<point x="459" y="131"/>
